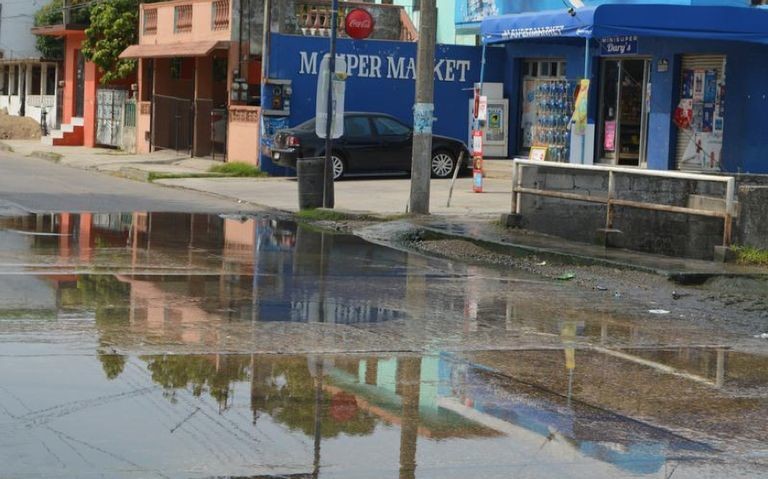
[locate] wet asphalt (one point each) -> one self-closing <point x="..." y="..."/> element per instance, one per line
<point x="203" y="346"/>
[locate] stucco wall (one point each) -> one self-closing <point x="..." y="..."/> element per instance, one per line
<point x="243" y="134"/>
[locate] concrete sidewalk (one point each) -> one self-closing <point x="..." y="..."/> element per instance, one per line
<point x="382" y="196"/>
<point x="378" y="196"/>
<point x="136" y="166"/>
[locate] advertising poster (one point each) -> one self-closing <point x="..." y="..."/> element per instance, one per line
<point x="710" y="86"/>
<point x="528" y="117"/>
<point x="687" y="91"/>
<point x="494" y="133"/>
<point x="707" y="121"/>
<point x="721" y="101"/>
<point x="610" y="136"/>
<point x="698" y="85"/>
<point x="698" y="116"/>
<point x="580" y="109"/>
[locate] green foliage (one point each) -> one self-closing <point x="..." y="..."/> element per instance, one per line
<point x="51" y="14"/>
<point x="238" y="169"/>
<point x="113" y="27"/>
<point x="751" y="255"/>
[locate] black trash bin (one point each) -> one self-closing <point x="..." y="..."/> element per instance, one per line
<point x="309" y="172"/>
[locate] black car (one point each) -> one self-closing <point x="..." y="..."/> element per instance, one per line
<point x="372" y="142"/>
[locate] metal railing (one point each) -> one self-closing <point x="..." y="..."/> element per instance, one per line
<point x="726" y="212"/>
<point x="220" y="14"/>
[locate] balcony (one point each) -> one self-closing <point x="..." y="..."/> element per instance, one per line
<point x="185" y="21"/>
<point x="313" y="18"/>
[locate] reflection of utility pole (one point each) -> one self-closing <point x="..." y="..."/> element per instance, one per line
<point x="66" y="12"/>
<point x="318" y="415"/>
<point x="423" y="109"/>
<point x="568" y="335"/>
<point x="410" y="384"/>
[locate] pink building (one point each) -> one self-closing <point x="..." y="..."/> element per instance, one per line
<point x="189" y="57"/>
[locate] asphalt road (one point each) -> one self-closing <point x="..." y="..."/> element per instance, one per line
<point x="34" y="185"/>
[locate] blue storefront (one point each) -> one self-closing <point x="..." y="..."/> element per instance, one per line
<point x="671" y="86"/>
<point x="381" y="79"/>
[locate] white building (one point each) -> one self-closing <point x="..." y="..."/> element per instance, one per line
<point x="28" y="83"/>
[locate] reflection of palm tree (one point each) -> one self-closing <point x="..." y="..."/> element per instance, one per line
<point x="113" y="364"/>
<point x="108" y="297"/>
<point x="212" y="374"/>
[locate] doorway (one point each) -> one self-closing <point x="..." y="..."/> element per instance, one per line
<point x="624" y="94"/>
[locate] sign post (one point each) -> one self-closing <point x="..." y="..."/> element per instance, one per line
<point x="328" y="193"/>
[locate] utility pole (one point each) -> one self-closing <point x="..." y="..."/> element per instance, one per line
<point x="423" y="109"/>
<point x="65" y="11"/>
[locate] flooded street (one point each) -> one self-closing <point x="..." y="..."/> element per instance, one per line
<point x="201" y="346"/>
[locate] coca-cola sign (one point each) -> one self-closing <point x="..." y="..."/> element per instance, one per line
<point x="359" y="24"/>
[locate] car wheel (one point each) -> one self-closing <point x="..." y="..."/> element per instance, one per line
<point x="337" y="163"/>
<point x="443" y="164"/>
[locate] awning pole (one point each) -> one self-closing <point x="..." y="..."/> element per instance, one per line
<point x="586" y="76"/>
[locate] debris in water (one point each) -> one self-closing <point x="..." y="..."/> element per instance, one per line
<point x="600" y="287"/>
<point x="658" y="311"/>
<point x="566" y="277"/>
<point x="762" y="336"/>
<point x="543" y="263"/>
<point x="676" y="295"/>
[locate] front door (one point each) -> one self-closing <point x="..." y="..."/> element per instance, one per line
<point x="624" y="89"/>
<point x="79" y="85"/>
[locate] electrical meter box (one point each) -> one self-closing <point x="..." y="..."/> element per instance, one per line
<point x="276" y="100"/>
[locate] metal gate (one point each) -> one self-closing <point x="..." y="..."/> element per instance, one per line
<point x="110" y="106"/>
<point x="172" y="123"/>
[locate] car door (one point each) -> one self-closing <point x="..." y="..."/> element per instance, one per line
<point x="396" y="142"/>
<point x="358" y="144"/>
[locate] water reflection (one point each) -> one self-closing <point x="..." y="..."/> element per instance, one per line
<point x="271" y="416"/>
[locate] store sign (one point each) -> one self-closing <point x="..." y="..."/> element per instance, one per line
<point x="612" y="46"/>
<point x="387" y="66"/>
<point x="359" y="24"/>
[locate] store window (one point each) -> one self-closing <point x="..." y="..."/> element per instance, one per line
<point x="700" y="113"/>
<point x="624" y="87"/>
<point x="547" y="107"/>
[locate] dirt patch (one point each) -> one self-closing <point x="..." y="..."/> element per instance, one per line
<point x="18" y="127"/>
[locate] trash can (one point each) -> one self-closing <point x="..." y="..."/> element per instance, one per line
<point x="309" y="172"/>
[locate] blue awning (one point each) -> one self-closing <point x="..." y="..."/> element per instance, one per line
<point x="742" y="24"/>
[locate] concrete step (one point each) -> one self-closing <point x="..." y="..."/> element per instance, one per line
<point x="498" y="169"/>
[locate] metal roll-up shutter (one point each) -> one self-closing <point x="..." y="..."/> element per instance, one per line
<point x="695" y="62"/>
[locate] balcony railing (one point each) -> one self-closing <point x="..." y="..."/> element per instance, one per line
<point x="150" y="21"/>
<point x="182" y="19"/>
<point x="220" y="14"/>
